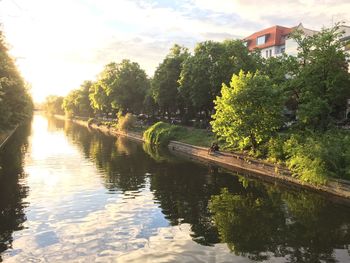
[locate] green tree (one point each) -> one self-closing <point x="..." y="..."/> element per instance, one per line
<point x="165" y="86"/>
<point x="129" y="88"/>
<point x="53" y="105"/>
<point x="322" y="83"/>
<point x="248" y="111"/>
<point x="77" y="102"/>
<point x="15" y="101"/>
<point x="99" y="100"/>
<point x="212" y="64"/>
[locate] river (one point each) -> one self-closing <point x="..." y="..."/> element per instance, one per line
<point x="68" y="194"/>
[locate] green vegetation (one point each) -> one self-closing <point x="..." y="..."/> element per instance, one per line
<point x="313" y="88"/>
<point x="161" y="133"/>
<point x="53" y="105"/>
<point x="249" y="111"/>
<point x="126" y="122"/>
<point x="286" y="109"/>
<point x="16" y="104"/>
<point x="165" y="84"/>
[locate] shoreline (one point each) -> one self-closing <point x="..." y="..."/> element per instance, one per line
<point x="8" y="135"/>
<point x="248" y="166"/>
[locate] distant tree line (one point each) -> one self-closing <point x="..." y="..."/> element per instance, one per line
<point x="15" y="101"/>
<point x="183" y="85"/>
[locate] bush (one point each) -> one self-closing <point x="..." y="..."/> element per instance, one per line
<point x="316" y="156"/>
<point x="161" y="133"/>
<point x="126" y="122"/>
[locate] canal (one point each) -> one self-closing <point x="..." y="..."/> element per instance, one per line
<point x="68" y="194"/>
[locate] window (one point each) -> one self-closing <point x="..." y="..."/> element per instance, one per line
<point x="283" y="50"/>
<point x="267" y="53"/>
<point x="261" y="40"/>
<point x="270" y="52"/>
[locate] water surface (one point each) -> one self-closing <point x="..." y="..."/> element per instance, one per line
<point x="70" y="194"/>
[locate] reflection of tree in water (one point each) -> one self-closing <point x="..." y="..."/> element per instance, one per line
<point x="183" y="192"/>
<point x="302" y="227"/>
<point x="158" y="154"/>
<point x="12" y="214"/>
<point x="254" y="219"/>
<point x="54" y="124"/>
<point x="123" y="162"/>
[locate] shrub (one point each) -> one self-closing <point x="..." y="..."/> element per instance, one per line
<point x="161" y="133"/>
<point x="315" y="156"/>
<point x="126" y="122"/>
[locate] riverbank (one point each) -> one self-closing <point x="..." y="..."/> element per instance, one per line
<point x="237" y="162"/>
<point x="5" y="136"/>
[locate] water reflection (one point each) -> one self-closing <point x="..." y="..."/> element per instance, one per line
<point x="95" y="197"/>
<point x="12" y="192"/>
<point x="266" y="222"/>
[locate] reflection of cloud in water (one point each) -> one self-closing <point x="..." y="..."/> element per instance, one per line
<point x="121" y="226"/>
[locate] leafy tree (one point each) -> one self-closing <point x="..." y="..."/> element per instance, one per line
<point x="15" y="102"/>
<point x="165" y="84"/>
<point x="322" y="83"/>
<point x="129" y="87"/>
<point x="99" y="100"/>
<point x="77" y="102"/>
<point x="83" y="100"/>
<point x="212" y="64"/>
<point x="70" y="104"/>
<point x="248" y="111"/>
<point x="121" y="87"/>
<point x="53" y="105"/>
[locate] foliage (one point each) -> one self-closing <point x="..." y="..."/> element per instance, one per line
<point x="315" y="156"/>
<point x="77" y="102"/>
<point x="53" y="105"/>
<point x="99" y="100"/>
<point x="165" y="81"/>
<point x="322" y="81"/>
<point x="126" y="122"/>
<point x="249" y="111"/>
<point x="128" y="90"/>
<point x="212" y="64"/>
<point x="161" y="133"/>
<point x="15" y="102"/>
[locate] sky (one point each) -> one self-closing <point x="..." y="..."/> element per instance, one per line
<point x="57" y="44"/>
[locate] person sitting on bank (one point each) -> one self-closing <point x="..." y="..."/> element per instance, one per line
<point x="213" y="148"/>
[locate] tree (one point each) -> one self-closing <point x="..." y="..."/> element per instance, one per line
<point x="322" y="83"/>
<point x="53" y="105"/>
<point x="129" y="88"/>
<point x="165" y="86"/>
<point x="77" y="102"/>
<point x="15" y="101"/>
<point x="99" y="100"/>
<point x="248" y="111"/>
<point x="120" y="87"/>
<point x="212" y="64"/>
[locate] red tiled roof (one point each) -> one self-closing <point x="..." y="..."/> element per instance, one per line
<point x="274" y="37"/>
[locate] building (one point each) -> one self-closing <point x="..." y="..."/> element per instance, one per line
<point x="274" y="41"/>
<point x="346" y="36"/>
<point x="270" y="41"/>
